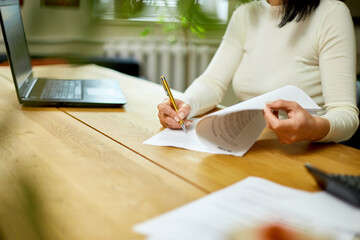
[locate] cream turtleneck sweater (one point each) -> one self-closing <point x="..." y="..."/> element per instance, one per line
<point x="317" y="54"/>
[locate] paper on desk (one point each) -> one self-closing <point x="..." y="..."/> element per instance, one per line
<point x="232" y="130"/>
<point x="253" y="201"/>
<point x="236" y="128"/>
<point x="180" y="139"/>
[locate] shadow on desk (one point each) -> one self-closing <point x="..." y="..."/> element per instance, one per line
<point x="295" y="149"/>
<point x="38" y="109"/>
<point x="268" y="141"/>
<point x="99" y="110"/>
<point x="127" y="66"/>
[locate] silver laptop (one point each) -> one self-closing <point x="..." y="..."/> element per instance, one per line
<point x="32" y="91"/>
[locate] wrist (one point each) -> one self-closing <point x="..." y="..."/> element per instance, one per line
<point x="321" y="128"/>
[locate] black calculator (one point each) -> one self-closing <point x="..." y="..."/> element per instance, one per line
<point x="345" y="187"/>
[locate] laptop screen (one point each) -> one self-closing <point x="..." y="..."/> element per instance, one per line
<point x="14" y="36"/>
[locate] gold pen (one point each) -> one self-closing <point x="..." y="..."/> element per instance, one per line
<point x="172" y="100"/>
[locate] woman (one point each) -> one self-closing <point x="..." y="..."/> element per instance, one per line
<point x="272" y="43"/>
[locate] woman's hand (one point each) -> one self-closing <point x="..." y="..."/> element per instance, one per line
<point x="168" y="116"/>
<point x="276" y="231"/>
<point x="299" y="126"/>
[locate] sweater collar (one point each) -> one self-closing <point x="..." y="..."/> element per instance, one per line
<point x="275" y="11"/>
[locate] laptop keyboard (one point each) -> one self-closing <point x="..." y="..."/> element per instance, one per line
<point x="62" y="89"/>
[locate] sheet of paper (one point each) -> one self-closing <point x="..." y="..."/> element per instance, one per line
<point x="236" y="128"/>
<point x="253" y="201"/>
<point x="233" y="130"/>
<point x="177" y="138"/>
<point x="233" y="133"/>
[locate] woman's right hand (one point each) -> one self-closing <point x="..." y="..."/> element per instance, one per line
<point x="170" y="118"/>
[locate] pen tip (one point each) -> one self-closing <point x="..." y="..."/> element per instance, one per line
<point x="183" y="127"/>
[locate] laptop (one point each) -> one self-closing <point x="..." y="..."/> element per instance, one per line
<point x="32" y="91"/>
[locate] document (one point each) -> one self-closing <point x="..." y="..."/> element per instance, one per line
<point x="180" y="139"/>
<point x="250" y="202"/>
<point x="232" y="130"/>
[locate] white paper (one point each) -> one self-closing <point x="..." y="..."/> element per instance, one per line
<point x="253" y="201"/>
<point x="233" y="130"/>
<point x="236" y="128"/>
<point x="180" y="139"/>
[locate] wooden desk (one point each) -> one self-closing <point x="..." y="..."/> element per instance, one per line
<point x="91" y="186"/>
<point x="268" y="158"/>
<point x="97" y="178"/>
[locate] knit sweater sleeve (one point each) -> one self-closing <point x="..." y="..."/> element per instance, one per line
<point x="209" y="88"/>
<point x="337" y="62"/>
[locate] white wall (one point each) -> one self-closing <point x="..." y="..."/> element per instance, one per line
<point x="73" y="31"/>
<point x="61" y="31"/>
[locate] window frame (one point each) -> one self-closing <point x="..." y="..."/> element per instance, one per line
<point x="99" y="13"/>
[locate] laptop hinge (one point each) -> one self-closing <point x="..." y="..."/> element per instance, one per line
<point x="33" y="81"/>
<point x="27" y="85"/>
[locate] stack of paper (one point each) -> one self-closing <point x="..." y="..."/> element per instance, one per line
<point x="252" y="201"/>
<point x="233" y="130"/>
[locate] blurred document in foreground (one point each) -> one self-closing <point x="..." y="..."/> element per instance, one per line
<point x="232" y="130"/>
<point x="254" y="201"/>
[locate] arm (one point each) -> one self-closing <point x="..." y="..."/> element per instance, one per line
<point x="208" y="90"/>
<point x="335" y="43"/>
<point x="337" y="62"/>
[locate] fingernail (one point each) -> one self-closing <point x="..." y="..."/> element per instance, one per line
<point x="182" y="115"/>
<point x="188" y="123"/>
<point x="177" y="119"/>
<point x="269" y="102"/>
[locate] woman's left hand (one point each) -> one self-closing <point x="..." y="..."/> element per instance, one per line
<point x="299" y="126"/>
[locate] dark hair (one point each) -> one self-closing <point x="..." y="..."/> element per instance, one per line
<point x="297" y="9"/>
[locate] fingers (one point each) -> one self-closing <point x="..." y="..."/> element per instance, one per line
<point x="271" y="119"/>
<point x="172" y="123"/>
<point x="170" y="118"/>
<point x="184" y="110"/>
<point x="298" y="126"/>
<point x="166" y="109"/>
<point x="283" y="128"/>
<point x="274" y="123"/>
<point x="283" y="105"/>
<point x="271" y="113"/>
